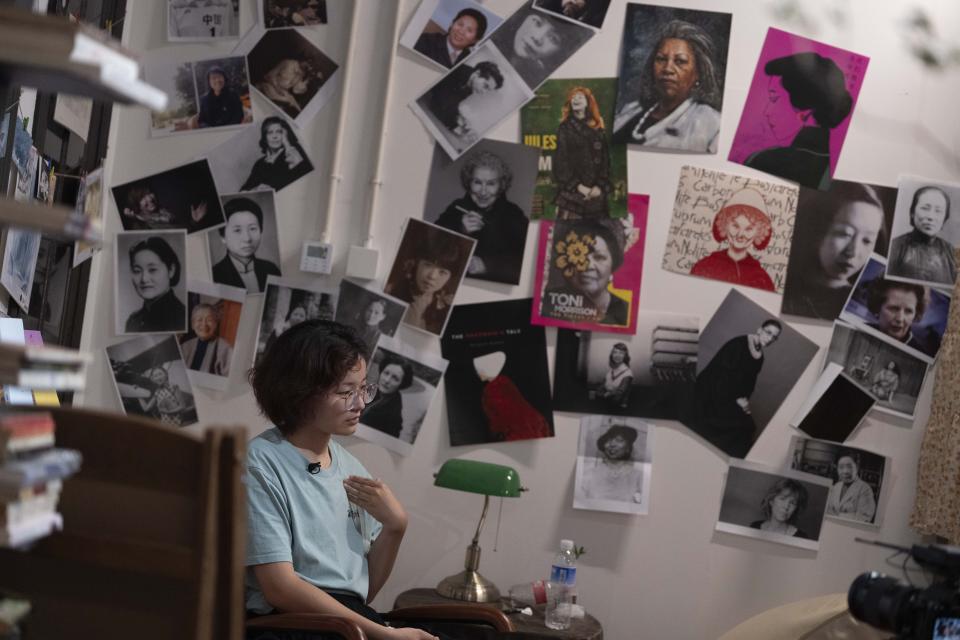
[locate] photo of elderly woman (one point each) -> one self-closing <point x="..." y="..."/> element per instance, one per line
<point x="486" y="194"/>
<point x="922" y="249"/>
<point x="208" y="344"/>
<point x="445" y="32"/>
<point x="401" y="383"/>
<point x="798" y="109"/>
<point x="737" y="391"/>
<point x="223" y="90"/>
<point x="184" y="197"/>
<point x="784" y="506"/>
<point x="245" y="251"/>
<point x="286" y="304"/>
<point x="614" y="461"/>
<point x="588" y="12"/>
<point x="372" y="314"/>
<point x="672" y="68"/>
<point x="834" y="234"/>
<point x="151" y="283"/>
<point x="292" y="13"/>
<point x="292" y="73"/>
<point x="152" y="381"/>
<point x="426" y="273"/>
<point x="536" y="43"/>
<point x="737" y="231"/>
<point x="858" y="477"/>
<point x="910" y="316"/>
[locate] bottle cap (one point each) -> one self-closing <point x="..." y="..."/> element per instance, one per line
<point x="566" y="545"/>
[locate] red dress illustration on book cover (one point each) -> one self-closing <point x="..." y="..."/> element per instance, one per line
<point x="509" y="414"/>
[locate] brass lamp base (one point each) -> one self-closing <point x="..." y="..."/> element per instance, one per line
<point x="470" y="586"/>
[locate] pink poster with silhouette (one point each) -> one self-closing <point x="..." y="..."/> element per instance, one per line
<point x="588" y="271"/>
<point x="799" y="108"/>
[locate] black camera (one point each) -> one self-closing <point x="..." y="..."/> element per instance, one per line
<point x="912" y="613"/>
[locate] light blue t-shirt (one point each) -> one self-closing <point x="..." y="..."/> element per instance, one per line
<point x="303" y="518"/>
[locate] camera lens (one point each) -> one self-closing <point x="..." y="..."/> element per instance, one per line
<point x="880" y="601"/>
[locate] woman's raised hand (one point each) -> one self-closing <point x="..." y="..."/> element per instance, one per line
<point x="376" y="498"/>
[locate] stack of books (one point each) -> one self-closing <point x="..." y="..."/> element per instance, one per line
<point x="55" y="54"/>
<point x="32" y="471"/>
<point x="37" y="367"/>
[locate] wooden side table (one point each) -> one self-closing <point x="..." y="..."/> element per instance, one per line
<point x="585" y="628"/>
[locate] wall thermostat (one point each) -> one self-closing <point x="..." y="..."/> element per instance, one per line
<point x="316" y="257"/>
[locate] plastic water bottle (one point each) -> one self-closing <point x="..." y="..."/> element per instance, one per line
<point x="563" y="579"/>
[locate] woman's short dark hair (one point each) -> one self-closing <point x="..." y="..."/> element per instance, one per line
<point x="879" y="289"/>
<point x="213" y="70"/>
<point x="896" y="367"/>
<point x="487" y="160"/>
<point x="609" y="229"/>
<point x="490" y="70"/>
<point x="241" y="204"/>
<point x="772" y="323"/>
<point x="708" y="91"/>
<point x="403" y="364"/>
<point x="629" y="435"/>
<point x="620" y="346"/>
<point x="814" y="82"/>
<point x="137" y="193"/>
<point x="304" y="362"/>
<point x="441" y="248"/>
<point x="476" y="15"/>
<point x="164" y="251"/>
<point x="853" y="455"/>
<point x="291" y="136"/>
<point x="922" y="190"/>
<point x="781" y="485"/>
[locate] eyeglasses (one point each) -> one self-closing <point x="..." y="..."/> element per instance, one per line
<point x="365" y="392"/>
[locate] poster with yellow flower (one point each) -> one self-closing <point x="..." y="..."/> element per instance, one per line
<point x="589" y="273"/>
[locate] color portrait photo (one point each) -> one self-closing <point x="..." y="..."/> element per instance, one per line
<point x="406" y="381"/>
<point x="747" y="363"/>
<point x="924" y="235"/>
<point x="672" y="68"/>
<point x="211" y="338"/>
<point x="614" y="465"/>
<point x="292" y="13"/>
<point x="581" y="174"/>
<point x="649" y="374"/>
<point x="497" y="383"/>
<point x="834" y="233"/>
<point x="798" y="109"/>
<point x="426" y="273"/>
<point x="731" y="228"/>
<point x="782" y="506"/>
<point x="445" y="32"/>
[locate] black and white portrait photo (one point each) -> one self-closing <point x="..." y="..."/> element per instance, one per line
<point x="245" y="251"/>
<point x="151" y="285"/>
<point x="536" y="43"/>
<point x="614" y="462"/>
<point x="267" y="156"/>
<point x="151" y="380"/>
<point x="748" y="362"/>
<point x="486" y="194"/>
<point x="426" y="273"/>
<point x="20" y="264"/>
<point x="924" y="235"/>
<point x="893" y="376"/>
<point x="292" y="73"/>
<point x="211" y="338"/>
<point x="184" y="197"/>
<point x="857" y="476"/>
<point x="467" y="102"/>
<point x="910" y="315"/>
<point x="371" y="313"/>
<point x="648" y="374"/>
<point x="835" y="232"/>
<point x="445" y="32"/>
<point x="202" y="20"/>
<point x="783" y="506"/>
<point x="835" y="406"/>
<point x="672" y="68"/>
<point x="588" y="12"/>
<point x="292" y="13"/>
<point x="405" y="382"/>
<point x="288" y="303"/>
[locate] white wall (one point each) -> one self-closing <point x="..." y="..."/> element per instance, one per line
<point x="667" y="574"/>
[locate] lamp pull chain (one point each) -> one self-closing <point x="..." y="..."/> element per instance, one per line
<point x="496" y="537"/>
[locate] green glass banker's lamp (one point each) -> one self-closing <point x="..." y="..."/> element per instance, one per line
<point x="490" y="480"/>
